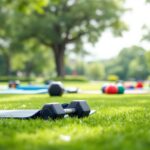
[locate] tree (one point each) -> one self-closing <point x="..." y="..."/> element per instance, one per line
<point x="95" y="71"/>
<point x="14" y="50"/>
<point x="33" y="60"/>
<point x="68" y="21"/>
<point x="2" y="65"/>
<point x="7" y="38"/>
<point x="130" y="63"/>
<point x="126" y="56"/>
<point x="113" y="67"/>
<point x="147" y="56"/>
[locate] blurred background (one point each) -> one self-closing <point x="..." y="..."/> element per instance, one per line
<point x="74" y="39"/>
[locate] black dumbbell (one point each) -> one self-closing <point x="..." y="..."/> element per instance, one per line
<point x="56" y="89"/>
<point x="52" y="110"/>
<point x="77" y="108"/>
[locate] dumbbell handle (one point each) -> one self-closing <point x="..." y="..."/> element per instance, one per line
<point x="69" y="110"/>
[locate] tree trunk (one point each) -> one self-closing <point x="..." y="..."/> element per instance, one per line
<point x="59" y="52"/>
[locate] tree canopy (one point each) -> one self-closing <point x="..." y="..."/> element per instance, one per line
<point x="130" y="63"/>
<point x="57" y="23"/>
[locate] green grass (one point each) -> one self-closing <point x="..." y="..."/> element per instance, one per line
<point x="121" y="122"/>
<point x="85" y="86"/>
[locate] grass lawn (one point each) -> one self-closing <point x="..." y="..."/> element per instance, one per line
<point x="85" y="85"/>
<point x="121" y="122"/>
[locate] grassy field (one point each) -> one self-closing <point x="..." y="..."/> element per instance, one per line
<point x="85" y="86"/>
<point x="121" y="122"/>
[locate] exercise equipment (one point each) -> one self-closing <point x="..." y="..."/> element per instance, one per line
<point x="32" y="87"/>
<point x="130" y="87"/>
<point x="71" y="90"/>
<point x="18" y="91"/>
<point x="34" y="90"/>
<point x="139" y="85"/>
<point x="111" y="89"/>
<point x="121" y="89"/>
<point x="13" y="84"/>
<point x="77" y="108"/>
<point x="104" y="87"/>
<point x="56" y="89"/>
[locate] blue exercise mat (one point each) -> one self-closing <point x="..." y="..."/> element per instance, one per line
<point x="32" y="87"/>
<point x="18" y="91"/>
<point x="45" y="87"/>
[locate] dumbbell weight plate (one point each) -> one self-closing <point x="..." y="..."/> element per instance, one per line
<point x="56" y="89"/>
<point x="53" y="111"/>
<point x="79" y="108"/>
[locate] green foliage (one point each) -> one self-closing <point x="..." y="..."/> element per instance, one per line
<point x="57" y="23"/>
<point x="15" y="78"/>
<point x="147" y="56"/>
<point x="36" y="61"/>
<point x="130" y="63"/>
<point x="75" y="66"/>
<point x="72" y="79"/>
<point x="2" y="65"/>
<point x="137" y="69"/>
<point x="112" y="66"/>
<point x="26" y="6"/>
<point x="95" y="71"/>
<point x="121" y="122"/>
<point x="68" y="70"/>
<point x="148" y="78"/>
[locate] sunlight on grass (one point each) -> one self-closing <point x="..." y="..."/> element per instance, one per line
<point x="120" y="122"/>
<point x="85" y="86"/>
